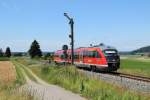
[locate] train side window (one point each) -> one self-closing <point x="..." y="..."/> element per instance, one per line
<point x="96" y="54"/>
<point x="76" y="55"/>
<point x="85" y="53"/>
<point x="89" y="53"/>
<point x="80" y="54"/>
<point x="62" y="56"/>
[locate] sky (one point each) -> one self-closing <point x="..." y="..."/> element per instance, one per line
<point x="124" y="24"/>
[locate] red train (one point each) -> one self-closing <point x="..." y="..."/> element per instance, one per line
<point x="103" y="58"/>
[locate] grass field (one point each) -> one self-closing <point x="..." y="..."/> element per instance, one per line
<point x="70" y="79"/>
<point x="7" y="72"/>
<point x="137" y="66"/>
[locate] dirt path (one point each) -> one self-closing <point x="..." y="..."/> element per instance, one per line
<point x="45" y="91"/>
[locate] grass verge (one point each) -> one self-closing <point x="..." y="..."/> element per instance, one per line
<point x="26" y="71"/>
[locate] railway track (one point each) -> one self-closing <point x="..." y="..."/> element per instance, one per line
<point x="134" y="77"/>
<point x="129" y="76"/>
<point x="134" y="83"/>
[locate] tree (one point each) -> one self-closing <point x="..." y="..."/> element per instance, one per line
<point x="1" y="53"/>
<point x="8" y="52"/>
<point x="35" y="50"/>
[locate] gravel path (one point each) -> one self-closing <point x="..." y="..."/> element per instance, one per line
<point x="44" y="91"/>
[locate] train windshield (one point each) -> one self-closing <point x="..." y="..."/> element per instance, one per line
<point x="110" y="52"/>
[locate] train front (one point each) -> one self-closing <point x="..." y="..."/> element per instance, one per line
<point x="113" y="58"/>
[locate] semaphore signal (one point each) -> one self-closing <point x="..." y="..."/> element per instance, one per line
<point x="71" y="22"/>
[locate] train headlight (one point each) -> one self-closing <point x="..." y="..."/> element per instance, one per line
<point x="113" y="60"/>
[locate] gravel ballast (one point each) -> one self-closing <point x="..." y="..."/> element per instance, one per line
<point x="134" y="85"/>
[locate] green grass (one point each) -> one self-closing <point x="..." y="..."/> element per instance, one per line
<point x="71" y="79"/>
<point x="22" y="68"/>
<point x="4" y="59"/>
<point x="133" y="66"/>
<point x="20" y="79"/>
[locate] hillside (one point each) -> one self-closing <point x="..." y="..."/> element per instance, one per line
<point x="142" y="50"/>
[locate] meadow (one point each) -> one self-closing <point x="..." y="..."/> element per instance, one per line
<point x="71" y="79"/>
<point x="135" y="65"/>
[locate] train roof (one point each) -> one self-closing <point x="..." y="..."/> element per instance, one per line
<point x="104" y="47"/>
<point x="101" y="46"/>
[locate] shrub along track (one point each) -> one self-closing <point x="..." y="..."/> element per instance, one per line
<point x="44" y="91"/>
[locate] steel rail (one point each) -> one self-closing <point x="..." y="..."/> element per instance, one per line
<point x="130" y="76"/>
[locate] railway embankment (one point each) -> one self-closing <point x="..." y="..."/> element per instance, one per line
<point x="123" y="81"/>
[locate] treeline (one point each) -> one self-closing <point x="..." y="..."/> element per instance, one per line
<point x="34" y="52"/>
<point x="142" y="50"/>
<point x="7" y="53"/>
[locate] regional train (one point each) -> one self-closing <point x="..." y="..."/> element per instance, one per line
<point x="100" y="57"/>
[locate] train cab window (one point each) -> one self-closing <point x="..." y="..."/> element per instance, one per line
<point x="110" y="52"/>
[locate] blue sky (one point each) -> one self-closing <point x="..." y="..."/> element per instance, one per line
<point x="124" y="24"/>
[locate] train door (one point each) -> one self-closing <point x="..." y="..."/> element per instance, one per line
<point x="97" y="57"/>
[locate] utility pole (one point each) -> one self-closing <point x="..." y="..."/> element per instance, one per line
<point x="71" y="22"/>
